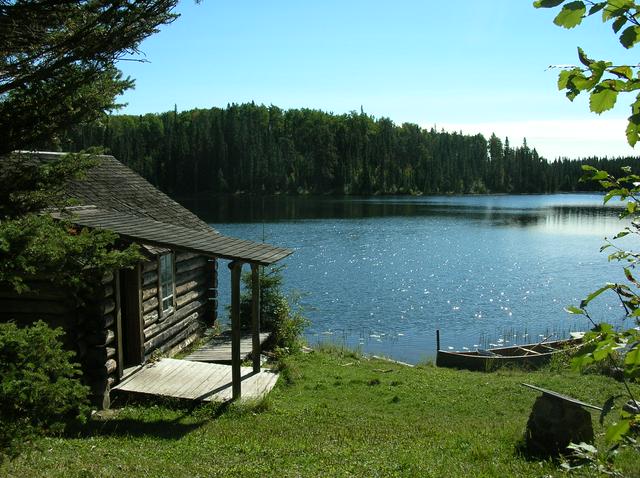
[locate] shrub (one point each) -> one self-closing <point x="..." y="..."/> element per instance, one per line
<point x="279" y="314"/>
<point x="40" y="392"/>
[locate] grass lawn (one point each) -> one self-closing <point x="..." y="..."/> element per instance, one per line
<point x="332" y="414"/>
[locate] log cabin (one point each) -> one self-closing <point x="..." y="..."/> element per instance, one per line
<point x="161" y="305"/>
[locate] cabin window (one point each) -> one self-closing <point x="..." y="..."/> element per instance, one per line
<point x="166" y="282"/>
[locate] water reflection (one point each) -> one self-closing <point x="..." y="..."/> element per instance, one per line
<point x="576" y="214"/>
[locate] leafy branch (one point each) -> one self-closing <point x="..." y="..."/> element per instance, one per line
<point x="620" y="350"/>
<point x="603" y="80"/>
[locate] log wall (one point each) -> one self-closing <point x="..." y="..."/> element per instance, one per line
<point x="194" y="303"/>
<point x="93" y="330"/>
<point x="45" y="301"/>
<point x="97" y="341"/>
<point x="89" y="331"/>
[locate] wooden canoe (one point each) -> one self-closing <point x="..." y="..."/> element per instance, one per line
<point x="526" y="355"/>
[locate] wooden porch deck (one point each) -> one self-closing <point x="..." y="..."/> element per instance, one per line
<point x="218" y="349"/>
<point x="196" y="381"/>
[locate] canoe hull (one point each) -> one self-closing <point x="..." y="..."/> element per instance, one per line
<point x="528" y="356"/>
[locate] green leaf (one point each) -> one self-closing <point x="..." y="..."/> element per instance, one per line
<point x="619" y="23"/>
<point x="632" y="358"/>
<point x="547" y="3"/>
<point x="581" y="361"/>
<point x="633" y="129"/>
<point x="621" y="233"/>
<point x="584" y="59"/>
<point x="595" y="294"/>
<point x="572" y="309"/>
<point x="614" y="193"/>
<point x="616" y="8"/>
<point x="571" y="15"/>
<point x="622" y="72"/>
<point x="604" y="350"/>
<point x="563" y="79"/>
<point x="616" y="431"/>
<point x="602" y="99"/>
<point x="596" y="8"/>
<point x="599" y="175"/>
<point x="630" y="36"/>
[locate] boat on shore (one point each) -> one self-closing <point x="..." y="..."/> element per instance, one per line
<point x="525" y="355"/>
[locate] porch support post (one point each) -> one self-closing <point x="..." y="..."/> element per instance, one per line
<point x="255" y="316"/>
<point x="236" y="387"/>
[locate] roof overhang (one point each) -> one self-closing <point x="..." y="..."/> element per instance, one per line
<point x="149" y="231"/>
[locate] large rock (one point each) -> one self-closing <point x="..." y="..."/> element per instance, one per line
<point x="554" y="423"/>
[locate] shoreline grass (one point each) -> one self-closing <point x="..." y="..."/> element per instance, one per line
<point x="333" y="413"/>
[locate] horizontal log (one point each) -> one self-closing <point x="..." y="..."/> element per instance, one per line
<point x="107" y="291"/>
<point x="66" y="321"/>
<point x="35" y="307"/>
<point x="184" y="299"/>
<point x="150" y="265"/>
<point x="185" y="256"/>
<point x="173" y="340"/>
<point x="48" y="292"/>
<point x="150" y="304"/>
<point x="100" y="373"/>
<point x="149" y="278"/>
<point x="109" y="320"/>
<point x="97" y="385"/>
<point x="111" y="366"/>
<point x="167" y="334"/>
<point x="200" y="283"/>
<point x="110" y="336"/>
<point x="150" y="318"/>
<point x="97" y="322"/>
<point x="102" y="308"/>
<point x="107" y="278"/>
<point x="191" y="275"/>
<point x="191" y="264"/>
<point x="182" y="344"/>
<point x="101" y="337"/>
<point x="179" y="315"/>
<point x="149" y="291"/>
<point x="97" y="356"/>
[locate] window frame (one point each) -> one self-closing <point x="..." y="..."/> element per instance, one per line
<point x="171" y="283"/>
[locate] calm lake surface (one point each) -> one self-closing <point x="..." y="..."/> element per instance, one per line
<point x="382" y="274"/>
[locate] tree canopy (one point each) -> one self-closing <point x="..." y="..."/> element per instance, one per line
<point x="58" y="69"/>
<point x="58" y="61"/>
<point x="264" y="149"/>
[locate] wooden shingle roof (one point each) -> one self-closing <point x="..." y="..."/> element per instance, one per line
<point x="156" y="233"/>
<point x="115" y="198"/>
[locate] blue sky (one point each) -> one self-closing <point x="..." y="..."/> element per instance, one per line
<point x="470" y="65"/>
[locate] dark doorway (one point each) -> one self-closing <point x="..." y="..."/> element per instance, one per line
<point x="131" y="330"/>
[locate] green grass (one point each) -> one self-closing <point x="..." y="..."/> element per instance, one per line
<point x="334" y="413"/>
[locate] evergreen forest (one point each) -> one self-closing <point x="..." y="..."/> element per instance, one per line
<point x="261" y="149"/>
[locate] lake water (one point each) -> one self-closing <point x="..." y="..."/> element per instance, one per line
<point x="383" y="273"/>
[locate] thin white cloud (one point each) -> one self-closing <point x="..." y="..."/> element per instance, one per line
<point x="558" y="138"/>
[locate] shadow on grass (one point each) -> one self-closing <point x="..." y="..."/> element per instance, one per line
<point x="146" y="416"/>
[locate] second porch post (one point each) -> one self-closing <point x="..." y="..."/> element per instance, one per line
<point x="236" y="385"/>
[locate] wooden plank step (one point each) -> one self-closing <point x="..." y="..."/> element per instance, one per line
<point x="218" y="349"/>
<point x="196" y="381"/>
